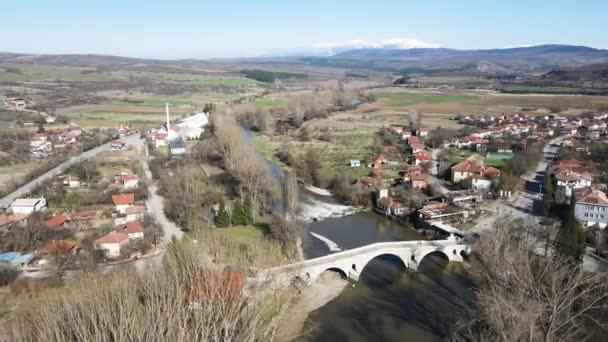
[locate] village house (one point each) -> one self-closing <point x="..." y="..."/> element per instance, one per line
<point x="366" y="182"/>
<point x="406" y="135"/>
<point x="111" y="243"/>
<point x="418" y="181"/>
<point x="28" y="205"/>
<point x="417" y="147"/>
<point x="117" y="145"/>
<point x="472" y="173"/>
<point x="354" y="163"/>
<point x="134" y="230"/>
<point x="422" y="158"/>
<point x="135" y="213"/>
<point x="57" y="247"/>
<point x="124" y="129"/>
<point x="159" y="139"/>
<point x="15" y="102"/>
<point x="71" y="182"/>
<point x="127" y="181"/>
<point x="380" y="161"/>
<point x="57" y="221"/>
<point x="388" y="206"/>
<point x="591" y="207"/>
<point x="422" y="132"/>
<point x="569" y="180"/>
<point x="123" y="202"/>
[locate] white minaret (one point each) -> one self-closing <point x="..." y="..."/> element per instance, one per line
<point x="168" y="121"/>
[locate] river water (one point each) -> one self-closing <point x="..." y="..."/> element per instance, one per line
<point x="389" y="303"/>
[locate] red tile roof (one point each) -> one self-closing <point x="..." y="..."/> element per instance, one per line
<point x="591" y="195"/>
<point x="113" y="237"/>
<point x="134" y="227"/>
<point x="62" y="246"/>
<point x="135" y="210"/>
<point x="58" y="220"/>
<point x="123" y="199"/>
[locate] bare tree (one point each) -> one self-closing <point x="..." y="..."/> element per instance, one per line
<point x="290" y="194"/>
<point x="524" y="296"/>
<point x="413" y="119"/>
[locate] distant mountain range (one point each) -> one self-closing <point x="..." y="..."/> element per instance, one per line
<point x="538" y="60"/>
<point x="541" y="58"/>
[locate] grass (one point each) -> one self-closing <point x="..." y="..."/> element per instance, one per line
<point x="269" y="102"/>
<point x="266" y="147"/>
<point x="225" y="82"/>
<point x="155" y="101"/>
<point x="541" y="90"/>
<point x="404" y="99"/>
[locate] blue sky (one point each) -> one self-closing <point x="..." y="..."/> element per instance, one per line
<point x="204" y="29"/>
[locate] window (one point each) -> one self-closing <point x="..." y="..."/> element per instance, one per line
<point x="586" y="214"/>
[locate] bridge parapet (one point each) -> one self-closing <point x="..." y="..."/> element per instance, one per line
<point x="352" y="262"/>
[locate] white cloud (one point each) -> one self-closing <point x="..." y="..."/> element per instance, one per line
<point x="394" y="43"/>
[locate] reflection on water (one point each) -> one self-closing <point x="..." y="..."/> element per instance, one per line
<point x="355" y="230"/>
<point x="392" y="305"/>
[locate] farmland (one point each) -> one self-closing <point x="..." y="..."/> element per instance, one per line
<point x="403" y="99"/>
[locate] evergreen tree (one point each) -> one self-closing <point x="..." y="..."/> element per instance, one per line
<point x="248" y="209"/>
<point x="548" y="196"/>
<point x="239" y="216"/>
<point x="221" y="218"/>
<point x="570" y="240"/>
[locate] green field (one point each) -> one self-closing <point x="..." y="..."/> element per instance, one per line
<point x="403" y="99"/>
<point x="154" y="101"/>
<point x="541" y="90"/>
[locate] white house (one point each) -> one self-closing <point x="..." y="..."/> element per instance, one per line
<point x="134" y="230"/>
<point x="111" y="243"/>
<point x="128" y="181"/>
<point x="123" y="202"/>
<point x="570" y="180"/>
<point x="71" y="182"/>
<point x="28" y="205"/>
<point x="135" y="213"/>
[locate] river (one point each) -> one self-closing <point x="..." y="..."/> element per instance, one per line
<point x="389" y="303"/>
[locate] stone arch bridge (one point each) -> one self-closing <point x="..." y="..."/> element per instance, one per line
<point x="352" y="262"/>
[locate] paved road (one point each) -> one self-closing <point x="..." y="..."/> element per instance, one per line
<point x="155" y="204"/>
<point x="524" y="204"/>
<point x="58" y="170"/>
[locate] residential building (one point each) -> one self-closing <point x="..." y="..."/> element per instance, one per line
<point x="57" y="221"/>
<point x="111" y="243"/>
<point x="422" y="158"/>
<point x="472" y="173"/>
<point x="71" y="182"/>
<point x="422" y="132"/>
<point x="15" y="102"/>
<point x="123" y="202"/>
<point x="58" y="246"/>
<point x="388" y="206"/>
<point x="135" y="230"/>
<point x="128" y="181"/>
<point x="418" y="181"/>
<point x="135" y="213"/>
<point x="569" y="180"/>
<point x="6" y="220"/>
<point x="417" y="147"/>
<point x="28" y="205"/>
<point x="117" y="145"/>
<point x="591" y="207"/>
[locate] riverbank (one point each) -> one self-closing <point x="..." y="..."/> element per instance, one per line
<point x="325" y="289"/>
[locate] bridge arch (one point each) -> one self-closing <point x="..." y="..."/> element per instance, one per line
<point x="445" y="256"/>
<point x="376" y="260"/>
<point x="337" y="270"/>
